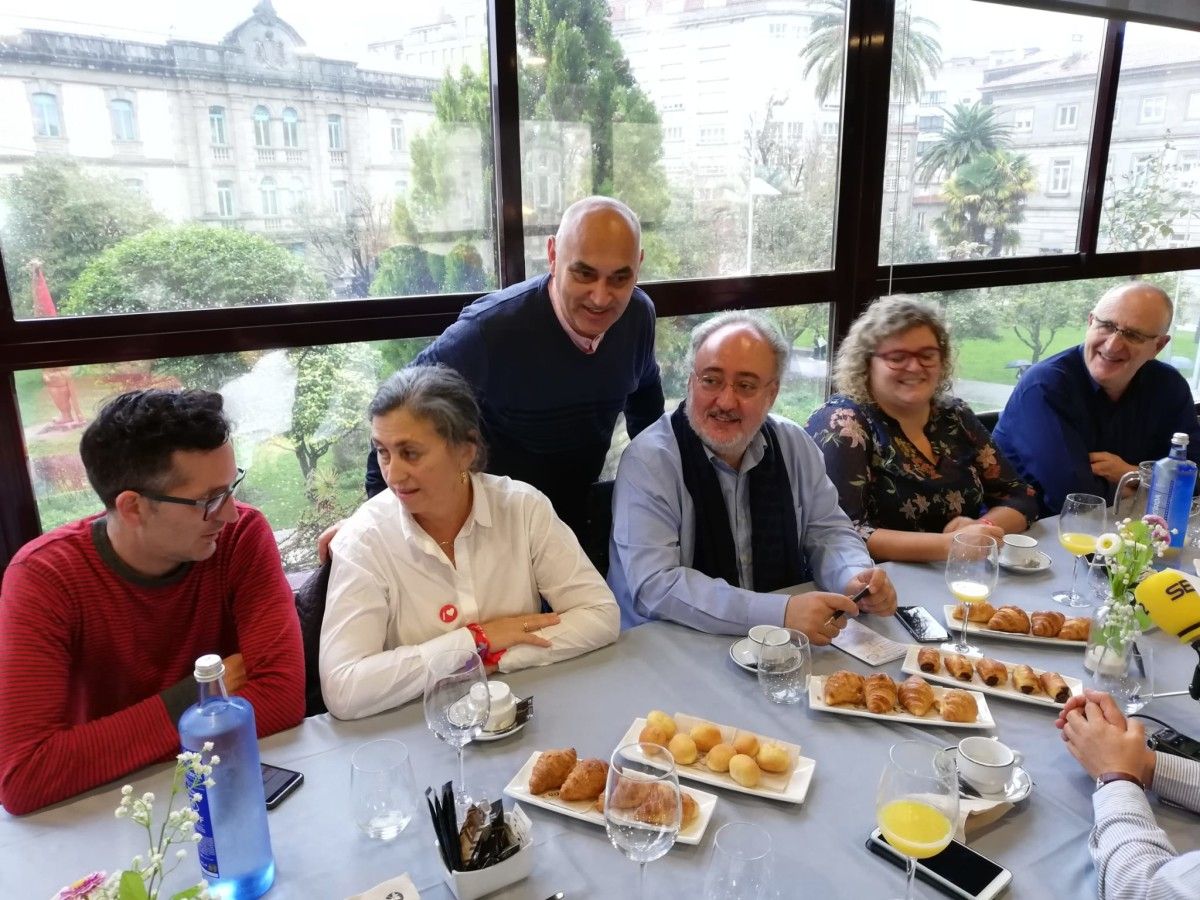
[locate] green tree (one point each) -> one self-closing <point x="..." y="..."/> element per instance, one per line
<point x="971" y="130"/>
<point x="1142" y="206"/>
<point x="916" y="53"/>
<point x="65" y="217"/>
<point x="1037" y="312"/>
<point x="985" y="202"/>
<point x="403" y="270"/>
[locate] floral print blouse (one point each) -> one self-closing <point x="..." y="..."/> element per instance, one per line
<point x="884" y="481"/>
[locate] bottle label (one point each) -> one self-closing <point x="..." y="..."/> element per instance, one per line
<point x="206" y="850"/>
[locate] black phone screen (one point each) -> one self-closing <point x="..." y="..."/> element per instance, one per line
<point x="957" y="864"/>
<point x="920" y="624"/>
<point x="278" y="783"/>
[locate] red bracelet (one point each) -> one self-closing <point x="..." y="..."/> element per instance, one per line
<point x="482" y="645"/>
<point x="493" y="659"/>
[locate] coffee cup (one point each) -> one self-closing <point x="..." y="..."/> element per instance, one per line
<point x="1019" y="550"/>
<point x="759" y="635"/>
<point x="986" y="764"/>
<point x="503" y="710"/>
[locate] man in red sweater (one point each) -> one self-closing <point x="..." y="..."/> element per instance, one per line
<point x="101" y="620"/>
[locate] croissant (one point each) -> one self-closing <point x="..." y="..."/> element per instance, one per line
<point x="916" y="696"/>
<point x="1025" y="681"/>
<point x="586" y="781"/>
<point x="551" y="770"/>
<point x="976" y="612"/>
<point x="959" y="666"/>
<point x="1054" y="685"/>
<point x="879" y="691"/>
<point x="1047" y="623"/>
<point x="1012" y="619"/>
<point x="629" y="794"/>
<point x="1075" y="629"/>
<point x="843" y="686"/>
<point x="992" y="671"/>
<point x="958" y="706"/>
<point x="929" y="660"/>
<point x="659" y="807"/>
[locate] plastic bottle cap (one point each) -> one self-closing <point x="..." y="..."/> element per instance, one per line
<point x="209" y="667"/>
<point x="1179" y="437"/>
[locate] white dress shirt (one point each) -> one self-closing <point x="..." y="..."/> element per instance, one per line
<point x="395" y="599"/>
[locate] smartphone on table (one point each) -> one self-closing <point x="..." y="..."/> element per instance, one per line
<point x="958" y="871"/>
<point x="918" y="621"/>
<point x="279" y="783"/>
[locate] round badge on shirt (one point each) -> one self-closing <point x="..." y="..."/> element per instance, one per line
<point x="448" y="613"/>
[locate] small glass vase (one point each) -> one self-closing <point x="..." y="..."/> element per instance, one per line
<point x="1115" y="662"/>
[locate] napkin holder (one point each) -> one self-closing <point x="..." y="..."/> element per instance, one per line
<point x="480" y="883"/>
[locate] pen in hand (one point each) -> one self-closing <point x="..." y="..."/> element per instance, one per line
<point x="855" y="599"/>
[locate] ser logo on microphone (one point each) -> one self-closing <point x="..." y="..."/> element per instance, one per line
<point x="1180" y="589"/>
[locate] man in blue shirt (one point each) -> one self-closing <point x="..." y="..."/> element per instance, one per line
<point x="1078" y="421"/>
<point x="719" y="509"/>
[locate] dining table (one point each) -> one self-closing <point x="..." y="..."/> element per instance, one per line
<point x="818" y="846"/>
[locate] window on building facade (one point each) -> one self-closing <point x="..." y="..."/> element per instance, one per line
<point x="1152" y="110"/>
<point x="397" y="134"/>
<point x="341" y="198"/>
<point x="124" y="124"/>
<point x="46" y="120"/>
<point x="1066" y="116"/>
<point x="262" y="126"/>
<point x="291" y="128"/>
<point x="1060" y="176"/>
<point x="269" y="196"/>
<point x="225" y="199"/>
<point x="930" y="123"/>
<point x="1023" y="119"/>
<point x="336" y="139"/>
<point x="216" y="125"/>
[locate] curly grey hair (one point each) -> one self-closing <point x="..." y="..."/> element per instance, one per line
<point x="886" y="317"/>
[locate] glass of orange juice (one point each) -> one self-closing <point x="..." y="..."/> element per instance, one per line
<point x="972" y="567"/>
<point x="916" y="805"/>
<point x="1079" y="524"/>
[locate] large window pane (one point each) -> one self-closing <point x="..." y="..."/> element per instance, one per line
<point x="717" y="123"/>
<point x="999" y="332"/>
<point x="988" y="132"/>
<point x="300" y="428"/>
<point x="1152" y="189"/>
<point x="203" y="106"/>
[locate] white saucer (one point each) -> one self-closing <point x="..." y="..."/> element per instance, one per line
<point x="1014" y="792"/>
<point x="501" y="735"/>
<point x="742" y="653"/>
<point x="1043" y="563"/>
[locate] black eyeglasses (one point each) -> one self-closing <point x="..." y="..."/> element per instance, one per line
<point x="210" y="505"/>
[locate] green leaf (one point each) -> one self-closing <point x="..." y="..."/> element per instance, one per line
<point x="193" y="891"/>
<point x="131" y="886"/>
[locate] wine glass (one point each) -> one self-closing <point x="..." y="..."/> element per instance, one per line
<point x="453" y="711"/>
<point x="916" y="805"/>
<point x="1079" y="524"/>
<point x="972" y="567"/>
<point x="740" y="868"/>
<point x="642" y="810"/>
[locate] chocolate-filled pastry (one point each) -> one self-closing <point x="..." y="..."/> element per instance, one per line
<point x="843" y="686"/>
<point x="586" y="781"/>
<point x="551" y="770"/>
<point x="1024" y="680"/>
<point x="929" y="660"/>
<point x="959" y="666"/>
<point x="958" y="706"/>
<point x="1047" y="623"/>
<point x="976" y="612"/>
<point x="992" y="671"/>
<point x="879" y="692"/>
<point x="916" y="696"/>
<point x="1075" y="629"/>
<point x="1012" y="619"/>
<point x="1054" y="685"/>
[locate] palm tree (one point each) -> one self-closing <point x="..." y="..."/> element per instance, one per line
<point x="915" y="52"/>
<point x="985" y="200"/>
<point x="971" y="130"/>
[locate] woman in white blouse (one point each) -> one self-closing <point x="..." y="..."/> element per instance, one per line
<point x="447" y="558"/>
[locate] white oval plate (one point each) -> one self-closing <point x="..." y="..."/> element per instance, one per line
<point x="742" y="654"/>
<point x="1043" y="563"/>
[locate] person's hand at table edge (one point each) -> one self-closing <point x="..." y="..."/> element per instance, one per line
<point x="1103" y="740"/>
<point x="881" y="593"/>
<point x="812" y="613"/>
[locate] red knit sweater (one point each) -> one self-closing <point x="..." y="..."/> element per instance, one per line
<point x="85" y="653"/>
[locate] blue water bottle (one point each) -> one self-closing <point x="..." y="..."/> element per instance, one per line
<point x="235" y="843"/>
<point x="1171" y="490"/>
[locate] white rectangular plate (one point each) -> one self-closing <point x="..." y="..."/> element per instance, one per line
<point x="585" y="810"/>
<point x="954" y="625"/>
<point x="788" y="787"/>
<point x="1007" y="691"/>
<point x="816" y="700"/>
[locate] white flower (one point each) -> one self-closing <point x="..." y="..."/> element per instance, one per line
<point x="214" y="760"/>
<point x="180" y="853"/>
<point x="127" y="790"/>
<point x="207" y="748"/>
<point x="1108" y="544"/>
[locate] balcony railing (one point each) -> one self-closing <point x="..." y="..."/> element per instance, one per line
<point x="265" y="154"/>
<point x="337" y="157"/>
<point x="293" y="155"/>
<point x="221" y="154"/>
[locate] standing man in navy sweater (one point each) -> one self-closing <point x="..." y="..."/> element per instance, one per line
<point x="555" y="359"/>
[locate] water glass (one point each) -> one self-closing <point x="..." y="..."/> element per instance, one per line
<point x="740" y="868"/>
<point x="784" y="664"/>
<point x="383" y="794"/>
<point x="1128" y="674"/>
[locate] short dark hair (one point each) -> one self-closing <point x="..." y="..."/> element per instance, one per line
<point x="128" y="446"/>
<point x="440" y="396"/>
